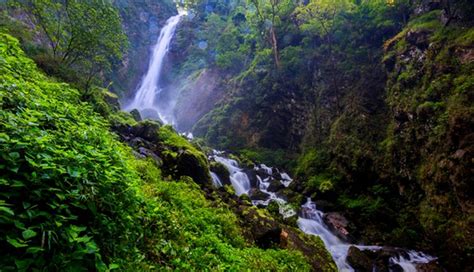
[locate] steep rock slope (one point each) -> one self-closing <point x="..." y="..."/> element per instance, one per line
<point x="430" y="143"/>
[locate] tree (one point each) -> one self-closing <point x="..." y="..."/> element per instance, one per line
<point x="268" y="15"/>
<point x="319" y="16"/>
<point x="85" y="36"/>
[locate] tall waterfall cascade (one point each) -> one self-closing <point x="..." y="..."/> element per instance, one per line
<point x="145" y="97"/>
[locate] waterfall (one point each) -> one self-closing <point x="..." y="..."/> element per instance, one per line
<point x="311" y="219"/>
<point x="144" y="100"/>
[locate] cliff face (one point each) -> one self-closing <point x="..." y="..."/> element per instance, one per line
<point x="403" y="175"/>
<point x="430" y="141"/>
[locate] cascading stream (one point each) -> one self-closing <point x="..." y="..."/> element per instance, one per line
<point x="144" y="99"/>
<point x="311" y="219"/>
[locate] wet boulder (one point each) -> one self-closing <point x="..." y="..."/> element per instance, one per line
<point x="338" y="224"/>
<point x="150" y="114"/>
<point x="136" y="115"/>
<point x="275" y="186"/>
<point x="252" y="175"/>
<point x="147" y="130"/>
<point x="262" y="173"/>
<point x="221" y="171"/>
<point x="381" y="258"/>
<point x="256" y="194"/>
<point x="359" y="260"/>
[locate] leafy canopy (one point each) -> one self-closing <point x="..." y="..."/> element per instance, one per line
<point x="84" y="36"/>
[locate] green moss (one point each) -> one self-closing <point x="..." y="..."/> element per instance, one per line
<point x="275" y="157"/>
<point x="466" y="38"/>
<point x="122" y="118"/>
<point x="229" y="189"/>
<point x="321" y="183"/>
<point x="430" y="20"/>
<point x="171" y="138"/>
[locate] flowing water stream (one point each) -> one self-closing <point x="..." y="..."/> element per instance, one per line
<point x="310" y="219"/>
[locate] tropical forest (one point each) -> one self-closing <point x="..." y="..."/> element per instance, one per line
<point x="237" y="135"/>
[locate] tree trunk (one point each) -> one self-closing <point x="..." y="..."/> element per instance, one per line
<point x="275" y="47"/>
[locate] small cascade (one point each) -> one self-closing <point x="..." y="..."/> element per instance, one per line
<point x="149" y="89"/>
<point x="408" y="263"/>
<point x="240" y="181"/>
<point x="215" y="180"/>
<point x="284" y="209"/>
<point x="310" y="220"/>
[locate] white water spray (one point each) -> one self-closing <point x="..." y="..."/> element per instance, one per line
<point x="144" y="100"/>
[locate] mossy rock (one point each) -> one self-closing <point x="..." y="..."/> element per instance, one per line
<point x="193" y="165"/>
<point x="221" y="171"/>
<point x="256" y="194"/>
<point x="359" y="260"/>
<point x="312" y="247"/>
<point x="246" y="199"/>
<point x="147" y="130"/>
<point x="273" y="208"/>
<point x="122" y="119"/>
<point x="136" y="115"/>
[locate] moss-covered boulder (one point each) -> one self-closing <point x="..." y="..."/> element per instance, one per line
<point x="181" y="158"/>
<point x="193" y="165"/>
<point x="136" y="115"/>
<point x="221" y="171"/>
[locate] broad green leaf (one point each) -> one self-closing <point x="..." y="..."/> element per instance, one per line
<point x="27" y="234"/>
<point x="7" y="210"/>
<point x="16" y="243"/>
<point x="14" y="155"/>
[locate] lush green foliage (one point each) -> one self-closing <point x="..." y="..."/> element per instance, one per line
<point x="65" y="180"/>
<point x="84" y="37"/>
<point x="74" y="198"/>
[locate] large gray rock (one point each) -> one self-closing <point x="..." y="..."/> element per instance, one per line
<point x="275" y="186"/>
<point x="256" y="194"/>
<point x="359" y="260"/>
<point x="338" y="224"/>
